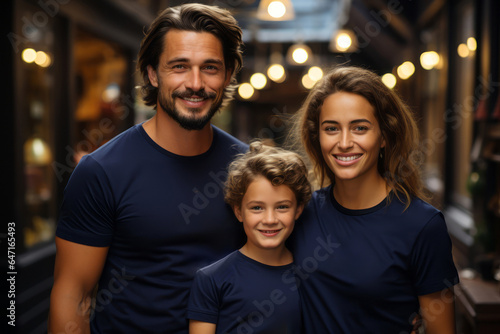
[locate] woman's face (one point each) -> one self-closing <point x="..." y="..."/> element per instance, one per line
<point x="350" y="137"/>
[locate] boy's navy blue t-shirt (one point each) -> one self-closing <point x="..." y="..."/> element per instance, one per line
<point x="361" y="271"/>
<point x="162" y="216"/>
<point x="241" y="295"/>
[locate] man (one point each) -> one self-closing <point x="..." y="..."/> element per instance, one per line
<point x="142" y="213"/>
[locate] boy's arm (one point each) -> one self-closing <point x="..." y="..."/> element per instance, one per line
<point x="199" y="327"/>
<point x="441" y="319"/>
<point x="76" y="273"/>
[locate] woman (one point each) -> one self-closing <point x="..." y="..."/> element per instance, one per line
<point x="370" y="253"/>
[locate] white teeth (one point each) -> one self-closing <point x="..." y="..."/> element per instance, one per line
<point x="352" y="157"/>
<point x="193" y="99"/>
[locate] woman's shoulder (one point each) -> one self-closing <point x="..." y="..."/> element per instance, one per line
<point x="418" y="212"/>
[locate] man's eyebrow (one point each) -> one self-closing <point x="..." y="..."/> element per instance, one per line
<point x="186" y="60"/>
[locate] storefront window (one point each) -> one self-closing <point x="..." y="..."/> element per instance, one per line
<point x="465" y="99"/>
<point x="102" y="102"/>
<point x="36" y="119"/>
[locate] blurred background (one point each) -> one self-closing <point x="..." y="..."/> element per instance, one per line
<point x="70" y="85"/>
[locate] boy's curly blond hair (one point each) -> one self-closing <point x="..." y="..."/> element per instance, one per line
<point x="279" y="166"/>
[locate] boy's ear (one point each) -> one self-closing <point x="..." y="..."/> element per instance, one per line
<point x="237" y="213"/>
<point x="300" y="208"/>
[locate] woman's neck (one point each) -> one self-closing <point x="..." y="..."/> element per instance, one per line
<point x="360" y="194"/>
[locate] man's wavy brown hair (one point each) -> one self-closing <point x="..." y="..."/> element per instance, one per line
<point x="191" y="17"/>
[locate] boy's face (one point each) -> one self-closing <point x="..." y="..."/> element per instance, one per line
<point x="268" y="214"/>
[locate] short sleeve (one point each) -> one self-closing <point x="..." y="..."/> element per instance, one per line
<point x="87" y="214"/>
<point x="432" y="263"/>
<point x="203" y="302"/>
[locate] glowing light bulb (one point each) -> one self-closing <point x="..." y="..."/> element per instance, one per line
<point x="315" y="73"/>
<point x="389" y="80"/>
<point x="29" y="55"/>
<point x="258" y="80"/>
<point x="307" y="82"/>
<point x="245" y="90"/>
<point x="344" y="41"/>
<point x="406" y="70"/>
<point x="276" y="9"/>
<point x="429" y="59"/>
<point x="463" y="51"/>
<point x="300" y="55"/>
<point x="276" y="73"/>
<point x="472" y="43"/>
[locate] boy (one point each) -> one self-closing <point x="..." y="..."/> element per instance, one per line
<point x="252" y="290"/>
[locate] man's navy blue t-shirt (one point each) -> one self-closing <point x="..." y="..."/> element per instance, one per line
<point x="241" y="295"/>
<point x="162" y="216"/>
<point x="361" y="271"/>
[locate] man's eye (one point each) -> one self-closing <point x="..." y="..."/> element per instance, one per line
<point x="211" y="68"/>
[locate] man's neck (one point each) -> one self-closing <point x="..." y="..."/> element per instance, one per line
<point x="167" y="133"/>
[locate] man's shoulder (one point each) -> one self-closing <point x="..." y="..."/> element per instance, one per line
<point x="228" y="141"/>
<point x="118" y="144"/>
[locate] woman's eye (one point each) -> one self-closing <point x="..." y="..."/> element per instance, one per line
<point x="360" y="128"/>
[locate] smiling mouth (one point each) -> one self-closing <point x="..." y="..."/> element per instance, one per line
<point x="269" y="233"/>
<point x="193" y="99"/>
<point x="349" y="158"/>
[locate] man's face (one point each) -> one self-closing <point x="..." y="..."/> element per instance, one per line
<point x="190" y="77"/>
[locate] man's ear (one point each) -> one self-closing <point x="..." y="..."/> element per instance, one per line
<point x="300" y="208"/>
<point x="227" y="81"/>
<point x="237" y="213"/>
<point x="153" y="78"/>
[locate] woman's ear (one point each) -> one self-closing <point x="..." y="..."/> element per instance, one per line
<point x="237" y="213"/>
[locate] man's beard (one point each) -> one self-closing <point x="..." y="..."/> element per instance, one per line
<point x="189" y="123"/>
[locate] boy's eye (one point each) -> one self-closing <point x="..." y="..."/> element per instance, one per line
<point x="283" y="207"/>
<point x="256" y="208"/>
